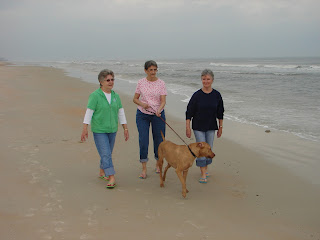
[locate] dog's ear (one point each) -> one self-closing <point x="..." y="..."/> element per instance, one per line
<point x="200" y="145"/>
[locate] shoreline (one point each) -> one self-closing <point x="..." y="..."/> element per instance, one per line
<point x="180" y="94"/>
<point x="247" y="196"/>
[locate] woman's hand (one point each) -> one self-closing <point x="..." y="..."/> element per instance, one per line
<point x="162" y="104"/>
<point x="84" y="134"/>
<point x="126" y="134"/>
<point x="188" y="132"/>
<point x="188" y="129"/>
<point x="144" y="105"/>
<point x="138" y="102"/>
<point x="219" y="133"/>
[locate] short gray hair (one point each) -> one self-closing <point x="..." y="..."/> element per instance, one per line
<point x="103" y="74"/>
<point x="207" y="72"/>
<point x="150" y="63"/>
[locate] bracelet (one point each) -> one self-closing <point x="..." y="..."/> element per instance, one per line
<point x="126" y="129"/>
<point x="220" y="126"/>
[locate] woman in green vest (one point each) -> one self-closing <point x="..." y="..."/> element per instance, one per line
<point x="104" y="109"/>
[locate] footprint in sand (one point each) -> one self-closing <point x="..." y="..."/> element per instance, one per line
<point x="91" y="220"/>
<point x="181" y="235"/>
<point x="29" y="215"/>
<point x="59" y="229"/>
<point x="44" y="234"/>
<point x="44" y="169"/>
<point x="34" y="161"/>
<point x="238" y="190"/>
<point x="58" y="222"/>
<point x="152" y="215"/>
<point x="85" y="236"/>
<point x="31" y="212"/>
<point x="53" y="192"/>
<point x="48" y="207"/>
<point x="238" y="193"/>
<point x="34" y="178"/>
<point x="47" y="236"/>
<point x="58" y="226"/>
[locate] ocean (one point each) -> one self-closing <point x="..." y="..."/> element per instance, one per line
<point x="273" y="93"/>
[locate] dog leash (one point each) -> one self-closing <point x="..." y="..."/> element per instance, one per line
<point x="174" y="132"/>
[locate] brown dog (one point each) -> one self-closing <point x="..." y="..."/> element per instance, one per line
<point x="181" y="158"/>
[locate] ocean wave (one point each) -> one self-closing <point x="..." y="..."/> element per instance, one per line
<point x="307" y="136"/>
<point x="230" y="101"/>
<point x="169" y="63"/>
<point x="271" y="73"/>
<point x="315" y="67"/>
<point x="242" y="120"/>
<point x="261" y="66"/>
<point x="178" y="89"/>
<point x="233" y="65"/>
<point x="289" y="74"/>
<point x="186" y="100"/>
<point x="246" y="73"/>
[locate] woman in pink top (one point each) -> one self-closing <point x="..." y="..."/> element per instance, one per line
<point x="150" y="96"/>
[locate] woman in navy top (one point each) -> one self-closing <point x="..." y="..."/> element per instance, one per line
<point x="204" y="108"/>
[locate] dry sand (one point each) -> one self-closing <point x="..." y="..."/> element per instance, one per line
<point x="50" y="187"/>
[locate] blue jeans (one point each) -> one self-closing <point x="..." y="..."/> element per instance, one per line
<point x="104" y="143"/>
<point x="207" y="137"/>
<point x="143" y="124"/>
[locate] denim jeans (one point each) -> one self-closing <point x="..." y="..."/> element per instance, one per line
<point x="143" y="124"/>
<point x="207" y="137"/>
<point x="104" y="143"/>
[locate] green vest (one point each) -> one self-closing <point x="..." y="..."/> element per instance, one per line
<point x="105" y="116"/>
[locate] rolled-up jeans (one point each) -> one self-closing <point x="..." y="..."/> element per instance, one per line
<point x="207" y="137"/>
<point x="105" y="143"/>
<point x="143" y="124"/>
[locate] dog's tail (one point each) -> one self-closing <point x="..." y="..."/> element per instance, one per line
<point x="162" y="135"/>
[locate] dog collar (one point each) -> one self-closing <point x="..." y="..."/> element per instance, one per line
<point x="191" y="152"/>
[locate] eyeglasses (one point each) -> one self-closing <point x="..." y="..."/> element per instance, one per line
<point x="108" y="80"/>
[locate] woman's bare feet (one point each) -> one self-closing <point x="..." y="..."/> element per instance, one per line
<point x="143" y="174"/>
<point x="101" y="172"/>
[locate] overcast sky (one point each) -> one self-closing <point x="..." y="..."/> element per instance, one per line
<point x="120" y="29"/>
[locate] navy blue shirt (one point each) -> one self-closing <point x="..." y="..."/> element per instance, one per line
<point x="204" y="109"/>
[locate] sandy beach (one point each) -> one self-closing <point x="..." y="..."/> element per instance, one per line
<point x="50" y="187"/>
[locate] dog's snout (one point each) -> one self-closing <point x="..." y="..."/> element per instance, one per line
<point x="212" y="155"/>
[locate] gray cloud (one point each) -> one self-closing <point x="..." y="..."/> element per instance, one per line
<point x="38" y="29"/>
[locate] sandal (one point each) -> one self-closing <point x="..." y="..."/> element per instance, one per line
<point x="111" y="185"/>
<point x="207" y="174"/>
<point x="157" y="170"/>
<point x="143" y="176"/>
<point x="106" y="178"/>
<point x="203" y="180"/>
